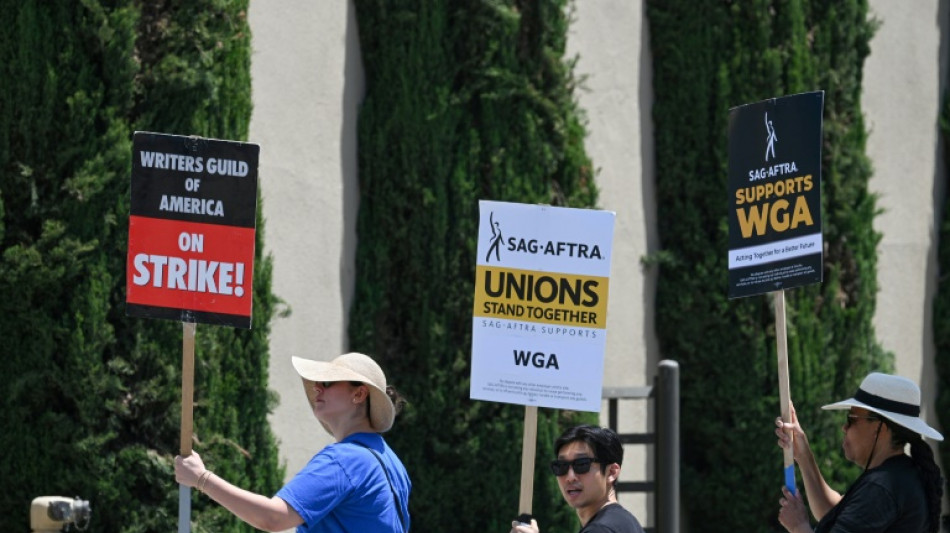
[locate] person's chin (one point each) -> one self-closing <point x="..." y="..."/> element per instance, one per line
<point x="846" y="452"/>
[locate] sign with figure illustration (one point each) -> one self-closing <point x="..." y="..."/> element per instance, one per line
<point x="775" y="239"/>
<point x="191" y="229"/>
<point x="539" y="325"/>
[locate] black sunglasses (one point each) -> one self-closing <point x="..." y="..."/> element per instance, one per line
<point x="580" y="465"/>
<point x="328" y="384"/>
<point x="851" y="418"/>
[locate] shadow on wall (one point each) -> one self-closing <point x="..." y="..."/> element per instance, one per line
<point x="928" y="370"/>
<point x="354" y="87"/>
<point x="648" y="192"/>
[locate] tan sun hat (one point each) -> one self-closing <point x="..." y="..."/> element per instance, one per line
<point x="351" y="367"/>
<point x="893" y="397"/>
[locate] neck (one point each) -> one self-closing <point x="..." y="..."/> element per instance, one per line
<point x="882" y="449"/>
<point x="342" y="429"/>
<point x="883" y="454"/>
<point x="585" y="514"/>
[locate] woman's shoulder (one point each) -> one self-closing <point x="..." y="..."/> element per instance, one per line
<point x="897" y="476"/>
<point x="893" y="465"/>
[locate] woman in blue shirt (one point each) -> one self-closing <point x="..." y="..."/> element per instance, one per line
<point x="356" y="484"/>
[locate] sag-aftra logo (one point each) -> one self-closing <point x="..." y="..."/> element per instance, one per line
<point x="534" y="246"/>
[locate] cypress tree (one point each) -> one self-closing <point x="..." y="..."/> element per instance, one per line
<point x="464" y="101"/>
<point x="709" y="57"/>
<point x="941" y="319"/>
<point x="91" y="399"/>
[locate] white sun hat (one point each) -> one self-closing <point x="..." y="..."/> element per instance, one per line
<point x="895" y="398"/>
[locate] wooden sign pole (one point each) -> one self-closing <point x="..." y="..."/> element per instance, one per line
<point x="781" y="341"/>
<point x="528" y="451"/>
<point x="187" y="409"/>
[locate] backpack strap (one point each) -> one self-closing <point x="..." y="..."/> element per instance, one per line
<point x="402" y="520"/>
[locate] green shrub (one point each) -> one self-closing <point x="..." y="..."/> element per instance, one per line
<point x="464" y="101"/>
<point x="941" y="319"/>
<point x="707" y="58"/>
<point x="90" y="403"/>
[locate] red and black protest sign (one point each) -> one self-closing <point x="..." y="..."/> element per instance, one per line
<point x="775" y="239"/>
<point x="192" y="229"/>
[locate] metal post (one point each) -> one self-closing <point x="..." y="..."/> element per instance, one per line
<point x="668" y="448"/>
<point x="612" y="414"/>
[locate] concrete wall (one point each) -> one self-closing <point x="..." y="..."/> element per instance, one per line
<point x="611" y="40"/>
<point x="904" y="82"/>
<point x="307" y="85"/>
<point x="903" y="88"/>
<point x="308" y="82"/>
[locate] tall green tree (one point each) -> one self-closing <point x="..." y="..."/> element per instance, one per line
<point x="707" y="58"/>
<point x="90" y="402"/>
<point x="941" y="319"/>
<point x="464" y="101"/>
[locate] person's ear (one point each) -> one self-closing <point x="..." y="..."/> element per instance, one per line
<point x="362" y="392"/>
<point x="613" y="472"/>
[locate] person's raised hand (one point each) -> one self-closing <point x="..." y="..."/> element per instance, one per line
<point x="791" y="435"/>
<point x="188" y="469"/>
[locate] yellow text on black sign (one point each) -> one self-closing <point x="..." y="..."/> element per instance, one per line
<point x="775" y="206"/>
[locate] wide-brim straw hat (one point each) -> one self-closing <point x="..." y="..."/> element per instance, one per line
<point x="351" y="366"/>
<point x="895" y="398"/>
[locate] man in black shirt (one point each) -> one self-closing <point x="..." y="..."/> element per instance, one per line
<point x="590" y="491"/>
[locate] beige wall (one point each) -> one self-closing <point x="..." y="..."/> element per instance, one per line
<point x="611" y="40"/>
<point x="308" y="81"/>
<point x="902" y="94"/>
<point x="904" y="82"/>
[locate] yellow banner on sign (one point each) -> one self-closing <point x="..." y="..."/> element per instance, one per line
<point x="544" y="297"/>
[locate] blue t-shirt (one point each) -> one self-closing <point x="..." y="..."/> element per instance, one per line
<point x="344" y="490"/>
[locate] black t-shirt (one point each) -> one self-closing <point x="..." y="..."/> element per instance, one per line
<point x="612" y="519"/>
<point x="889" y="498"/>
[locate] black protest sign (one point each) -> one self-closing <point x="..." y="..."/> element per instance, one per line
<point x="192" y="229"/>
<point x="774" y="214"/>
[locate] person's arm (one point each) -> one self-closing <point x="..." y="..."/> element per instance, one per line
<point x="821" y="497"/>
<point x="268" y="514"/>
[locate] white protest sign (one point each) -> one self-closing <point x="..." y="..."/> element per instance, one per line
<point x="540" y="313"/>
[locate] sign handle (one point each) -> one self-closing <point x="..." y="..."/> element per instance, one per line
<point x="781" y="342"/>
<point x="528" y="451"/>
<point x="187" y="408"/>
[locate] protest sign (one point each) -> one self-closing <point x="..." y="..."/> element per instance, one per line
<point x="539" y="323"/>
<point x="775" y="194"/>
<point x="192" y="229"/>
<point x="775" y="239"/>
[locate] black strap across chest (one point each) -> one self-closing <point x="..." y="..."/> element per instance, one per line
<point x="402" y="520"/>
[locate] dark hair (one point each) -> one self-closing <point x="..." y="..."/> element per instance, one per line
<point x="923" y="458"/>
<point x="398" y="401"/>
<point x="604" y="442"/>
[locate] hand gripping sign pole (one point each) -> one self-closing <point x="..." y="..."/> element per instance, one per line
<point x="187" y="410"/>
